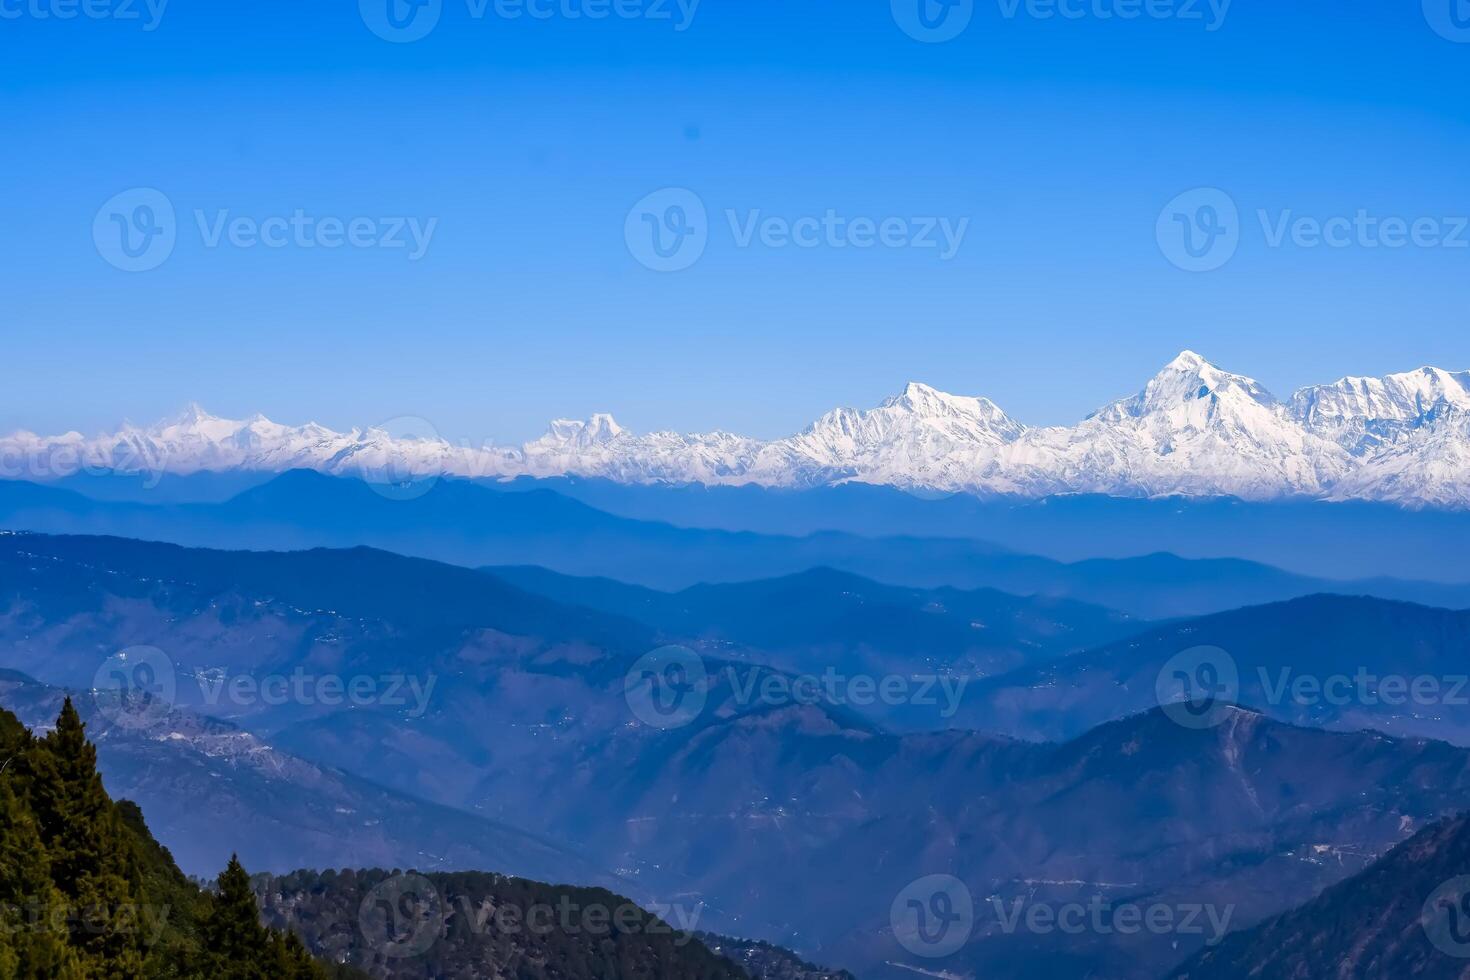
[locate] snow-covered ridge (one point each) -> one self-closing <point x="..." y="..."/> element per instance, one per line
<point x="1192" y="429"/>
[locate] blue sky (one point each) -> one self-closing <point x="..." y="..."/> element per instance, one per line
<point x="524" y="143"/>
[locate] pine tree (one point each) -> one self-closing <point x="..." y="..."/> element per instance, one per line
<point x="232" y="929"/>
<point x="92" y="863"/>
<point x="73" y="865"/>
<point x="238" y="946"/>
<point x="291" y="960"/>
<point x="33" y="945"/>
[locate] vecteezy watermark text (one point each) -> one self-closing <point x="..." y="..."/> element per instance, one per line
<point x="404" y="915"/>
<point x="138" y="687"/>
<point x="129" y="918"/>
<point x="1364" y="687"/>
<point x="138" y="230"/>
<point x="406" y="21"/>
<point x="669" y="230"/>
<point x="1198" y="686"/>
<point x="755" y="686"/>
<point x="329" y="690"/>
<point x="936" y="915"/>
<point x="146" y="13"/>
<point x="1100" y="916"/>
<point x="45" y="461"/>
<point x="938" y="21"/>
<point x="670" y="687"/>
<point x="1201" y="230"/>
<point x="1210" y="14"/>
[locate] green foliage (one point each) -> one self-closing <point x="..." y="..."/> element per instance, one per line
<point x="33" y="928"/>
<point x="86" y="893"/>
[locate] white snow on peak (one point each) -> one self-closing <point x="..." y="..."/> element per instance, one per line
<point x="1193" y="428"/>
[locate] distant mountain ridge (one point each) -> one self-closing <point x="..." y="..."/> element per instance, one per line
<point x="465" y="523"/>
<point x="1194" y="429"/>
<point x="1326" y="661"/>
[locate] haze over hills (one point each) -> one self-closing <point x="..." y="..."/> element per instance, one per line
<point x="1193" y="429"/>
<point x="825" y="619"/>
<point x="194" y="774"/>
<point x="1339" y="662"/>
<point x="467" y="524"/>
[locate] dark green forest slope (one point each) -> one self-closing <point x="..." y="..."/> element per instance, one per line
<point x="86" y="892"/>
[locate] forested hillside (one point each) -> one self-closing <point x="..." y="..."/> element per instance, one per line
<point x="86" y="892"/>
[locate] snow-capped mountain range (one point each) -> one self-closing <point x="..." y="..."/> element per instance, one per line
<point x="1194" y="429"/>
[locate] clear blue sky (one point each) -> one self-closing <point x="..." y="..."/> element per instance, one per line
<point x="529" y="140"/>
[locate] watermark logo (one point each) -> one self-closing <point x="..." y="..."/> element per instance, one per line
<point x="668" y="230"/>
<point x="1199" y="231"/>
<point x="405" y="21"/>
<point x="330" y="690"/>
<point x="135" y="688"/>
<point x="837" y="231"/>
<point x="1449" y="18"/>
<point x="401" y="21"/>
<point x="148" y="13"/>
<point x="402" y="916"/>
<point x="303" y="230"/>
<point x="943" y="692"/>
<point x="146" y="921"/>
<point x="1365" y="230"/>
<point x="131" y="454"/>
<point x="667" y="688"/>
<point x="1102" y="917"/>
<point x="680" y="13"/>
<point x="934" y="916"/>
<point x="136" y="231"/>
<point x="1198" y="686"/>
<point x="1446" y="917"/>
<point x="933" y="21"/>
<point x="1210" y="13"/>
<point x="568" y="917"/>
<point x="1364" y="688"/>
<point x="398" y="475"/>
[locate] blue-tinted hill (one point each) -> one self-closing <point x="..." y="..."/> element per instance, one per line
<point x="465" y="524"/>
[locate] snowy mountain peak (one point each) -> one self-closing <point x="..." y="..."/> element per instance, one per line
<point x="600" y="428"/>
<point x="1189" y="373"/>
<point x="1367" y="416"/>
<point x="197" y="424"/>
<point x="1190" y="390"/>
<point x="192" y="416"/>
<point x="1187" y="360"/>
<point x="922" y="400"/>
<point x="1405" y="396"/>
<point x="1194" y="428"/>
<point x="916" y="392"/>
